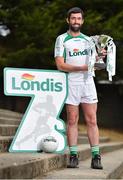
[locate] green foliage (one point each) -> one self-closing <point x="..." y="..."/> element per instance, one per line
<point x="35" y="24"/>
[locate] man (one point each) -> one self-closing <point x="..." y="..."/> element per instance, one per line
<point x="72" y="53"/>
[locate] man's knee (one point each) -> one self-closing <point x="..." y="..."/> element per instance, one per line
<point x="92" y="123"/>
<point x="72" y="119"/>
<point x="91" y="120"/>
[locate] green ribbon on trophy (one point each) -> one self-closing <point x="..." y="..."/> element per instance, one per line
<point x="109" y="63"/>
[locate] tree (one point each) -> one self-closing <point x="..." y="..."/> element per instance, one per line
<point x="35" y="24"/>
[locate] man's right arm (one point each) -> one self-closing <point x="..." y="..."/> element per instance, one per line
<point x="62" y="66"/>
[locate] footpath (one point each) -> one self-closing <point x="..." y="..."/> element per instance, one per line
<point x="53" y="166"/>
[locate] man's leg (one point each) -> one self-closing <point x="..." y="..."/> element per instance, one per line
<point x="90" y="111"/>
<point x="72" y="133"/>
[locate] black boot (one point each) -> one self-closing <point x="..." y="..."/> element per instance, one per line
<point x="73" y="162"/>
<point x="96" y="162"/>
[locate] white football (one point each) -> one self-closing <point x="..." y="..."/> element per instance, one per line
<point x="49" y="144"/>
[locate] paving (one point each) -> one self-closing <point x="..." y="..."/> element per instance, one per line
<point x="7" y="130"/>
<point x="9" y="121"/>
<point x="111" y="167"/>
<point x="9" y="113"/>
<point x="53" y="166"/>
<point x="32" y="165"/>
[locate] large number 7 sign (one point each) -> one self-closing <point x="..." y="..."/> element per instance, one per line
<point x="48" y="92"/>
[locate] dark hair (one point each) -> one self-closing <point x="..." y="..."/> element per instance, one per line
<point x="74" y="10"/>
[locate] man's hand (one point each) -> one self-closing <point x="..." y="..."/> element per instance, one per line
<point x="102" y="54"/>
<point x="99" y="60"/>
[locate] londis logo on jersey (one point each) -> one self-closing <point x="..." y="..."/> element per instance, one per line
<point x="28" y="82"/>
<point x="76" y="52"/>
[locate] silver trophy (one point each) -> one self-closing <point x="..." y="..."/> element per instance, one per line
<point x="101" y="42"/>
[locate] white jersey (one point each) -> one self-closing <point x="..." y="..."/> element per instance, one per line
<point x="76" y="51"/>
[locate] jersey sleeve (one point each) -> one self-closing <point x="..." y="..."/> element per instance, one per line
<point x="59" y="47"/>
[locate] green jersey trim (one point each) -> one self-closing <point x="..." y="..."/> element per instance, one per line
<point x="64" y="54"/>
<point x="82" y="36"/>
<point x="68" y="37"/>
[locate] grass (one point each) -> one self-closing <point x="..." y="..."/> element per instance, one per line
<point x="114" y="135"/>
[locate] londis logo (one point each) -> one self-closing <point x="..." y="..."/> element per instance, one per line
<point x="28" y="82"/>
<point x="76" y="52"/>
<point x="28" y="76"/>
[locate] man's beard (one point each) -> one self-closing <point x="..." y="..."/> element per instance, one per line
<point x="75" y="28"/>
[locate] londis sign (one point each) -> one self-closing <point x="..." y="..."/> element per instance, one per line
<point x="48" y="92"/>
<point x="29" y="83"/>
